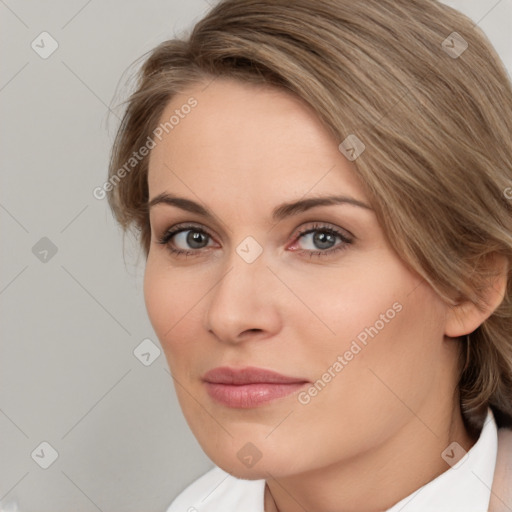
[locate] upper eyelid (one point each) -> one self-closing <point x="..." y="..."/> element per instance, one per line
<point x="326" y="226"/>
<point x="179" y="228"/>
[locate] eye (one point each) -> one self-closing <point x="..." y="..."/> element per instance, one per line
<point x="317" y="240"/>
<point x="185" y="240"/>
<point x="320" y="240"/>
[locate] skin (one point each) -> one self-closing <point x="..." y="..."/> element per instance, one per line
<point x="376" y="432"/>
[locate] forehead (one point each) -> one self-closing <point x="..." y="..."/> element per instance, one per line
<point x="250" y="139"/>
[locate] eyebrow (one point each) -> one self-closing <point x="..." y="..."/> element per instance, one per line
<point x="279" y="213"/>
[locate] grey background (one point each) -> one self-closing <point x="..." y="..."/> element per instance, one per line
<point x="70" y="323"/>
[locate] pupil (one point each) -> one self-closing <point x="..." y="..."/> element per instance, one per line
<point x="323" y="240"/>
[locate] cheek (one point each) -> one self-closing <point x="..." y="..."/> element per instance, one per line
<point x="364" y="388"/>
<point x="386" y="352"/>
<point x="159" y="298"/>
<point x="384" y="322"/>
<point x="351" y="304"/>
<point x="169" y="302"/>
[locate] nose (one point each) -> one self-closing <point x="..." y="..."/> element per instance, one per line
<point x="244" y="303"/>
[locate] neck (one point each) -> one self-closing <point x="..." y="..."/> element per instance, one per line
<point x="378" y="479"/>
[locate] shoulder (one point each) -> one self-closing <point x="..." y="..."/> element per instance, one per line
<point x="217" y="490"/>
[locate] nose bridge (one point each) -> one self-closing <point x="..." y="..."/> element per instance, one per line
<point x="241" y="299"/>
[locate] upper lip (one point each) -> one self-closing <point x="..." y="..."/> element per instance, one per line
<point x="247" y="375"/>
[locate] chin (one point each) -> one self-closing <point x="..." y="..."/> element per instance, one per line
<point x="241" y="459"/>
<point x="247" y="474"/>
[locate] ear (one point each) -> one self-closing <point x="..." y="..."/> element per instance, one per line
<point x="465" y="317"/>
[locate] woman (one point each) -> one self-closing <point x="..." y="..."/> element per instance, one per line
<point x="320" y="191"/>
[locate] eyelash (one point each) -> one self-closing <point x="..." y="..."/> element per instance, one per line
<point x="345" y="241"/>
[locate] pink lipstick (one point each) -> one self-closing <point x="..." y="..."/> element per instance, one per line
<point x="248" y="387"/>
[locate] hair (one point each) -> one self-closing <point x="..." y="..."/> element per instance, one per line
<point x="436" y="127"/>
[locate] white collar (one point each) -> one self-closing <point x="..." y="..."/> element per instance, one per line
<point x="465" y="487"/>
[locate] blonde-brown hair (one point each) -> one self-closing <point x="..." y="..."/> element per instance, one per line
<point x="433" y="109"/>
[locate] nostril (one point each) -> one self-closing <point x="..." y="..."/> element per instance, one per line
<point x="252" y="330"/>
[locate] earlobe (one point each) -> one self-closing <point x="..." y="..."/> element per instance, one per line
<point x="465" y="317"/>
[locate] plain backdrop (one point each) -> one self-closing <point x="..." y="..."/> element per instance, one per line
<point x="72" y="308"/>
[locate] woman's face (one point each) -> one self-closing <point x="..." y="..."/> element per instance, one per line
<point x="312" y="292"/>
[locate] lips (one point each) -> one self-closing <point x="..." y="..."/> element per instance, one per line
<point x="249" y="387"/>
<point x="248" y="375"/>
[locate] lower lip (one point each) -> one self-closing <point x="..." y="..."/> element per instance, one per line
<point x="250" y="395"/>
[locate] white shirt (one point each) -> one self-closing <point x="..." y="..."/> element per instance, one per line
<point x="465" y="487"/>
